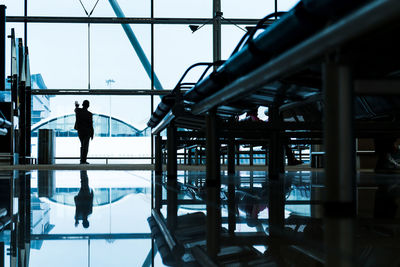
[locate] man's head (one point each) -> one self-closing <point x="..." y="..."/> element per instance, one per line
<point x="85" y="104"/>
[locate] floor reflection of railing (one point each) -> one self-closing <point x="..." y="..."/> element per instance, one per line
<point x="91" y="236"/>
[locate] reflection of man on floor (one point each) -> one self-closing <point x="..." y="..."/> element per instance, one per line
<point x="83" y="201"/>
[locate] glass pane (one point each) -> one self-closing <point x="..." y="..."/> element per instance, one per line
<point x="114" y="61"/>
<point x="59" y="53"/>
<point x="130" y="8"/>
<point x="129" y="138"/>
<point x="177" y="48"/>
<point x="231" y="36"/>
<point x="254" y="8"/>
<point x="183" y="9"/>
<point x="14" y="8"/>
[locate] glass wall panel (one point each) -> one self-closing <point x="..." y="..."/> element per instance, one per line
<point x="183" y="9"/>
<point x="177" y="48"/>
<point x="128" y="138"/>
<point x="254" y="8"/>
<point x="59" y="53"/>
<point x="14" y="7"/>
<point x="285" y="5"/>
<point x="131" y="8"/>
<point x="114" y="61"/>
<point x="230" y="37"/>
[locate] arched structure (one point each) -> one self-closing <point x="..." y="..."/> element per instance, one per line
<point x="104" y="126"/>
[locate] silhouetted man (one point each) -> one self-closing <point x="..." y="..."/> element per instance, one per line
<point x="84" y="126"/>
<point x="83" y="201"/>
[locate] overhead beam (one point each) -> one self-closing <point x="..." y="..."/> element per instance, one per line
<point x="130" y="20"/>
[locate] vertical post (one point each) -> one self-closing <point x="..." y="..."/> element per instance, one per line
<point x="2" y="252"/>
<point x="152" y="70"/>
<point x="2" y="47"/>
<point x="238" y="154"/>
<point x="276" y="209"/>
<point x="213" y="185"/>
<point x="217" y="14"/>
<point x="28" y="105"/>
<point x="22" y="102"/>
<point x="340" y="172"/>
<point x="251" y="159"/>
<point x="28" y="208"/>
<point x="190" y="156"/>
<point x="21" y="217"/>
<point x="231" y="185"/>
<point x="158" y="172"/>
<point x="172" y="195"/>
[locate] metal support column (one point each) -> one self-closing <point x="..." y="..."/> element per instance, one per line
<point x="276" y="207"/>
<point x="217" y="15"/>
<point x="2" y="253"/>
<point x="213" y="185"/>
<point x="340" y="171"/>
<point x="172" y="195"/>
<point x="2" y="47"/>
<point x="231" y="186"/>
<point x="28" y="105"/>
<point x="22" y="101"/>
<point x="158" y="172"/>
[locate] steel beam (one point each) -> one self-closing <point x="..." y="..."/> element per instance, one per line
<point x="110" y="20"/>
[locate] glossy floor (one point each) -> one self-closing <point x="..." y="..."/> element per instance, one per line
<point x="99" y="218"/>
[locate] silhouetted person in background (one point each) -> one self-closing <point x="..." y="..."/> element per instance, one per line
<point x="84" y="126"/>
<point x="83" y="201"/>
<point x="252" y="115"/>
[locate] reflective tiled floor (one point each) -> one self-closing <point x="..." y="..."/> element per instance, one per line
<point x="99" y="218"/>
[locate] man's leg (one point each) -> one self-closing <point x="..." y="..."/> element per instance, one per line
<point x="81" y="138"/>
<point x="85" y="148"/>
